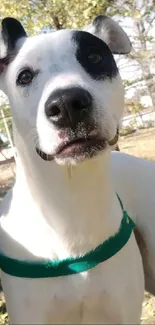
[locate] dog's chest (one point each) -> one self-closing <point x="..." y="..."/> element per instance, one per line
<point x="109" y="293"/>
<point x="76" y="299"/>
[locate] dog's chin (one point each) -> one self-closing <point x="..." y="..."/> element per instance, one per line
<point x="75" y="151"/>
<point x="80" y="151"/>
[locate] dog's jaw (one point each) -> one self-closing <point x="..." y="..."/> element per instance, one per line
<point x="75" y="151"/>
<point x="70" y="200"/>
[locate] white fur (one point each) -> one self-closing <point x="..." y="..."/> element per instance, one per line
<point x="70" y="218"/>
<point x="56" y="210"/>
<point x="58" y="69"/>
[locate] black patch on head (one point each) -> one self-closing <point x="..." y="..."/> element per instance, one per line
<point x="89" y="44"/>
<point x="12" y="30"/>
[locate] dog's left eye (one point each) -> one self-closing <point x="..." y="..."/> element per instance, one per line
<point x="25" y="77"/>
<point x="94" y="58"/>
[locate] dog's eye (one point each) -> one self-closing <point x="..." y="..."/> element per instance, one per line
<point x="25" y="77"/>
<point x="94" y="58"/>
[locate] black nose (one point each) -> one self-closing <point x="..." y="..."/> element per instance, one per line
<point x="67" y="107"/>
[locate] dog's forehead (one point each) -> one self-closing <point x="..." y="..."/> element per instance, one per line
<point x="45" y="44"/>
<point x="65" y="51"/>
<point x="58" y="44"/>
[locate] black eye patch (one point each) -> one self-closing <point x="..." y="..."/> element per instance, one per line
<point x="94" y="56"/>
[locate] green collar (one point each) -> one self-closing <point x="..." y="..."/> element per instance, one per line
<point x="55" y="268"/>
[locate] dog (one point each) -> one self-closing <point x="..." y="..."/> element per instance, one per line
<point x="67" y="98"/>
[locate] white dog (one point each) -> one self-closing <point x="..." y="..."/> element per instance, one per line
<point x="67" y="99"/>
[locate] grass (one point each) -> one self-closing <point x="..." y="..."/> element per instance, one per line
<point x="140" y="144"/>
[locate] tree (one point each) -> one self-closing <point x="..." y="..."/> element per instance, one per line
<point x="8" y="117"/>
<point x="142" y="19"/>
<point x="39" y="15"/>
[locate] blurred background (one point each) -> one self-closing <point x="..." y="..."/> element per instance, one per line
<point x="137" y="133"/>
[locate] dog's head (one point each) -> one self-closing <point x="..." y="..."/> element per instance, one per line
<point x="65" y="85"/>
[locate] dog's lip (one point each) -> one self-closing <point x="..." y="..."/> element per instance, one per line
<point x="78" y="141"/>
<point x="44" y="155"/>
<point x="93" y="141"/>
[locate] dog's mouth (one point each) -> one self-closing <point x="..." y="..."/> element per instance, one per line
<point x="79" y="148"/>
<point x="74" y="149"/>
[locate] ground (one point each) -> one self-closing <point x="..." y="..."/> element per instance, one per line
<point x="140" y="144"/>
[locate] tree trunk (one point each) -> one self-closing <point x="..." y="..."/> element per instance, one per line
<point x="56" y="22"/>
<point x="145" y="61"/>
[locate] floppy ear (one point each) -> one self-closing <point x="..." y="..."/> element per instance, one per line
<point x="111" y="33"/>
<point x="11" y="32"/>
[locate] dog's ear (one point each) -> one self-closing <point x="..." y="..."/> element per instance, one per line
<point x="11" y="32"/>
<point x="111" y="33"/>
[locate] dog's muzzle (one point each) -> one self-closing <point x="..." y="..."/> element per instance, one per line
<point x="79" y="147"/>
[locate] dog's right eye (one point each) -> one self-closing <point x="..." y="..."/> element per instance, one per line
<point x="95" y="58"/>
<point x="25" y="77"/>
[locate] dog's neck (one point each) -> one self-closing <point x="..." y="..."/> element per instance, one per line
<point x="74" y="208"/>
